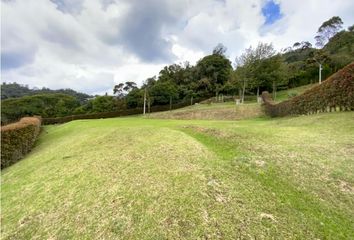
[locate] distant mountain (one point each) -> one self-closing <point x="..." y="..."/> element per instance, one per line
<point x="15" y="90"/>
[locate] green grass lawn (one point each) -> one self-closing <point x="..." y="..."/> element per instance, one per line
<point x="286" y="94"/>
<point x="138" y="178"/>
<point x="213" y="111"/>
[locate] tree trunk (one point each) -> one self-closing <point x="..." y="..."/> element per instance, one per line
<point x="243" y="91"/>
<point x="274" y="91"/>
<point x="170" y="103"/>
<point x="145" y="101"/>
<point x="257" y="94"/>
<point x="149" y="106"/>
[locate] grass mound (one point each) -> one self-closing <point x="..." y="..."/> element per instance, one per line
<point x="136" y="178"/>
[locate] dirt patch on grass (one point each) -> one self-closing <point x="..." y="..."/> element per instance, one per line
<point x="209" y="131"/>
<point x="346" y="187"/>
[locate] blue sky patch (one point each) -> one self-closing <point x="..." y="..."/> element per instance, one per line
<point x="271" y="11"/>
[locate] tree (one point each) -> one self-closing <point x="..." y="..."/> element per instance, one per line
<point x="273" y="71"/>
<point x="213" y="71"/>
<point x="129" y="86"/>
<point x="327" y="30"/>
<point x="253" y="66"/>
<point x="45" y="105"/>
<point x="135" y="98"/>
<point x="118" y="89"/>
<point x="351" y="28"/>
<point x="103" y="104"/>
<point x="219" y="49"/>
<point x="302" y="46"/>
<point x="163" y="92"/>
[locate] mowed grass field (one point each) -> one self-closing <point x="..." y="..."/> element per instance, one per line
<point x="138" y="178"/>
<point x="213" y="111"/>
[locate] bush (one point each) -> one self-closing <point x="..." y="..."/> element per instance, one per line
<point x="121" y="113"/>
<point x="47" y="121"/>
<point x="336" y="93"/>
<point x="45" y="105"/>
<point x="17" y="139"/>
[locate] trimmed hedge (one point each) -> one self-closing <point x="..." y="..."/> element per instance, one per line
<point x="17" y="139"/>
<point x="335" y="93"/>
<point x="127" y="112"/>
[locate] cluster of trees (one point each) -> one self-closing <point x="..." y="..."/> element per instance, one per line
<point x="257" y="69"/>
<point x="180" y="82"/>
<point x="56" y="105"/>
<point x="15" y="90"/>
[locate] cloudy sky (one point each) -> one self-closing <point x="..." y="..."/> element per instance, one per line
<point x="91" y="45"/>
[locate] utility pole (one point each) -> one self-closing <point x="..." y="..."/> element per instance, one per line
<point x="145" y="101"/>
<point x="319" y="71"/>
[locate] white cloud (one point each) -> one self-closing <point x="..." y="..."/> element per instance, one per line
<point x="90" y="45"/>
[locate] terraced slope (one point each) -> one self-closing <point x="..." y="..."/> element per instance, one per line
<point x="214" y="111"/>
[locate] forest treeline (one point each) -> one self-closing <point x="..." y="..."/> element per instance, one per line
<point x="257" y="69"/>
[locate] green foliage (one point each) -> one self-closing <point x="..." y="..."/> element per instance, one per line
<point x="103" y="104"/>
<point x="135" y="98"/>
<point x="336" y="93"/>
<point x="327" y="30"/>
<point x="17" y="139"/>
<point x="126" y="87"/>
<point x="216" y="69"/>
<point x="15" y="90"/>
<point x="260" y="67"/>
<point x="99" y="115"/>
<point x="45" y="105"/>
<point x="163" y="91"/>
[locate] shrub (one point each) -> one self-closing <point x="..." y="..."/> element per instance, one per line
<point x="336" y="93"/>
<point x="17" y="139"/>
<point x="121" y="113"/>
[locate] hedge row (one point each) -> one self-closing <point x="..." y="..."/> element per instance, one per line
<point x="127" y="112"/>
<point x="17" y="139"/>
<point x="336" y="93"/>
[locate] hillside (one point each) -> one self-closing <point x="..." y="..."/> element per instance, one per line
<point x="227" y="110"/>
<point x="214" y="111"/>
<point x="15" y="90"/>
<point x="136" y="178"/>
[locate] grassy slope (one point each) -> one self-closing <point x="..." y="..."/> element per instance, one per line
<point x="135" y="178"/>
<point x="224" y="111"/>
<point x="285" y="94"/>
<point x="214" y="111"/>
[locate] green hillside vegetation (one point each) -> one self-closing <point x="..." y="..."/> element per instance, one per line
<point x="137" y="178"/>
<point x="44" y="105"/>
<point x="292" y="92"/>
<point x="257" y="69"/>
<point x="227" y="110"/>
<point x="15" y="90"/>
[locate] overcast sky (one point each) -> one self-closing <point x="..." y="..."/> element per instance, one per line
<point x="91" y="45"/>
